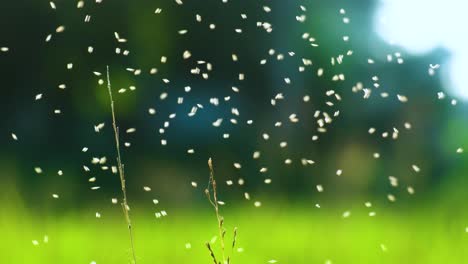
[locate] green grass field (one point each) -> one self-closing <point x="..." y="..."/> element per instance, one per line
<point x="289" y="235"/>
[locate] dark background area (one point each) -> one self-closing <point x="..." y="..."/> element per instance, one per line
<point x="54" y="142"/>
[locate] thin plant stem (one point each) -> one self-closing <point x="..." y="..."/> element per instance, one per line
<point x="211" y="253"/>
<point x="234" y="240"/>
<point x="214" y="202"/>
<point x="120" y="167"/>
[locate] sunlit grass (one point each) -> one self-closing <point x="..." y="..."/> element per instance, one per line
<point x="289" y="235"/>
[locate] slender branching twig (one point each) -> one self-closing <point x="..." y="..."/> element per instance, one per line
<point x="120" y="167"/>
<point x="213" y="199"/>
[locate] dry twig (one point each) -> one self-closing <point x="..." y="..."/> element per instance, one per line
<point x="125" y="206"/>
